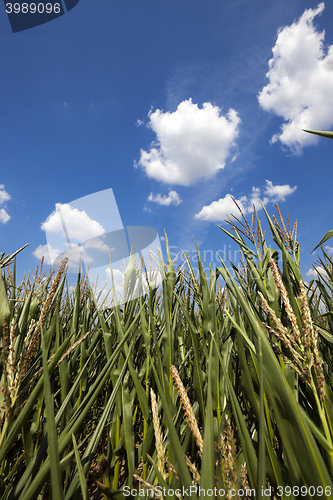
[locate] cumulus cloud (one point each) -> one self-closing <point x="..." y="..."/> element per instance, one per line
<point x="78" y="224"/>
<point x="219" y="210"/>
<point x="74" y="254"/>
<point x="4" y="216"/>
<point x="4" y="196"/>
<point x="191" y="143"/>
<point x="278" y="193"/>
<point x="98" y="244"/>
<point x="46" y="251"/>
<point x="118" y="275"/>
<point x="300" y="82"/>
<point x="168" y="199"/>
<point x="118" y="280"/>
<point x="318" y="270"/>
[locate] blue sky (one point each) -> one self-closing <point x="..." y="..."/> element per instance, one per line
<point x="174" y="105"/>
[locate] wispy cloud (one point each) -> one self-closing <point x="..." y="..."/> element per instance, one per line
<point x="4" y="196"/>
<point x="191" y="143"/>
<point x="168" y="199"/>
<point x="300" y="82"/>
<point x="219" y="210"/>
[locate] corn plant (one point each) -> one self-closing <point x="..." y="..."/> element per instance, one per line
<point x="222" y="382"/>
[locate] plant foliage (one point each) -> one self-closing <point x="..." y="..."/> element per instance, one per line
<point x="222" y="382"/>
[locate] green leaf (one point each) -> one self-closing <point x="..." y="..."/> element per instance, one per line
<point x="161" y="481"/>
<point x="95" y="439"/>
<point x="5" y="261"/>
<point x="128" y="428"/>
<point x="327" y="236"/>
<point x="197" y="374"/>
<point x="208" y="452"/>
<point x="26" y="411"/>
<point x="294" y="430"/>
<point x="261" y="482"/>
<point x="111" y="493"/>
<point x="327" y="134"/>
<point x="4" y="306"/>
<point x="56" y="482"/>
<point x="174" y="440"/>
<point x="83" y="482"/>
<point x="248" y="449"/>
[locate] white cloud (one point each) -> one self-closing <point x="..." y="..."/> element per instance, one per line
<point x="168" y="199"/>
<point x="278" y="193"/>
<point x="118" y="280"/>
<point x="46" y="251"/>
<point x="329" y="249"/>
<point x="118" y="275"/>
<point x="74" y="254"/>
<point x="77" y="253"/>
<point x="4" y="216"/>
<point x="99" y="245"/>
<point x="4" y="196"/>
<point x="314" y="272"/>
<point x="255" y="199"/>
<point x="219" y="210"/>
<point x="78" y="224"/>
<point x="300" y="82"/>
<point x="138" y="122"/>
<point x="192" y="143"/>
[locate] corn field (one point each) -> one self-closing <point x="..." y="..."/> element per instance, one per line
<point x="218" y="386"/>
